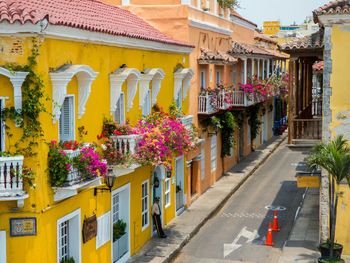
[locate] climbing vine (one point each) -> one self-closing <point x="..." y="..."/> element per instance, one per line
<point x="32" y="106"/>
<point x="254" y="121"/>
<point x="229" y="125"/>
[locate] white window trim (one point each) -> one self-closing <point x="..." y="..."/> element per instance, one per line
<point x="3" y="247"/>
<point x="147" y="210"/>
<point x="167" y="191"/>
<point x="122" y="95"/>
<point x="60" y="79"/>
<point x="59" y="222"/>
<point x="213" y="168"/>
<point x="74" y="123"/>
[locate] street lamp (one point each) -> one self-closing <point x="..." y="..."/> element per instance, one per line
<point x="109" y="180"/>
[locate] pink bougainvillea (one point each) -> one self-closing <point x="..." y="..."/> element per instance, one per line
<point x="163" y="136"/>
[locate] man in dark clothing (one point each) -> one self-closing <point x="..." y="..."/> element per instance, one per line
<point x="156" y="212"/>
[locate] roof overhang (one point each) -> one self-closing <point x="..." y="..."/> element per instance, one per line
<point x="43" y="28"/>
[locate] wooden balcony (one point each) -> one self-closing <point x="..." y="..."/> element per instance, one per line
<point x="308" y="129"/>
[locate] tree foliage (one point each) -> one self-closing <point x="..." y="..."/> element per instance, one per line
<point x="228" y="3"/>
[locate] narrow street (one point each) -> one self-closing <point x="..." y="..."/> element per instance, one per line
<point x="238" y="231"/>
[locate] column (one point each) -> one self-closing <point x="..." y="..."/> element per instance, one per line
<point x="253" y="67"/>
<point x="263" y="69"/>
<point x="268" y="68"/>
<point x="258" y="68"/>
<point x="245" y="71"/>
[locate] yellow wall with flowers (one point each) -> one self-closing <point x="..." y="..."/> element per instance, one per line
<point x="103" y="59"/>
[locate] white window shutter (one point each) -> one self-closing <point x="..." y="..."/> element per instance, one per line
<point x="3" y="246"/>
<point x="103" y="229"/>
<point x="66" y="124"/>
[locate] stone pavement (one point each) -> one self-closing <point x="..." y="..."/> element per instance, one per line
<point x="185" y="226"/>
<point x="302" y="243"/>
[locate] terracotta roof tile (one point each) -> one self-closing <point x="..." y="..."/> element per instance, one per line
<point x="334" y="7"/>
<point x="210" y="57"/>
<point x="312" y="41"/>
<point x="247" y="49"/>
<point x="90" y="15"/>
<point x="266" y="38"/>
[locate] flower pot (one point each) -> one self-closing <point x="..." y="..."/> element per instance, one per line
<point x="330" y="260"/>
<point x="325" y="250"/>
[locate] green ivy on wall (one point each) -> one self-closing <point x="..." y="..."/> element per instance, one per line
<point x="32" y="106"/>
<point x="229" y="125"/>
<point x="254" y="121"/>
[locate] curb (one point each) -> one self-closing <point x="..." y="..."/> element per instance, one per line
<point x="175" y="253"/>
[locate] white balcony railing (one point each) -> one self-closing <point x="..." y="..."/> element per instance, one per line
<point x="205" y="104"/>
<point x="73" y="176"/>
<point x="126" y="144"/>
<point x="11" y="183"/>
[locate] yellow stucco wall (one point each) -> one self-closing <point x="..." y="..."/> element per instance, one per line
<point x="40" y="204"/>
<point x="340" y="106"/>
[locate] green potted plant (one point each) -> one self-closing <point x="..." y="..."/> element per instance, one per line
<point x="69" y="260"/>
<point x="334" y="157"/>
<point x="118" y="229"/>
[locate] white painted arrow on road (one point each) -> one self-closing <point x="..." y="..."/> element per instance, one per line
<point x="250" y="236"/>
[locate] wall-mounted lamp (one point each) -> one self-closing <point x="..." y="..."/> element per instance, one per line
<point x="110" y="179"/>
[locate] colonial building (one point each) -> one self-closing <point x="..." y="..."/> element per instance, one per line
<point x="92" y="61"/>
<point x="227" y="53"/>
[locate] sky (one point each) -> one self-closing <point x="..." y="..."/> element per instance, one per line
<point x="287" y="11"/>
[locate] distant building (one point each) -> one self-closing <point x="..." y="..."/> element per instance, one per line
<point x="273" y="28"/>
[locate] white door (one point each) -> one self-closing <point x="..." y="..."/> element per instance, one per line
<point x="179" y="171"/>
<point x="3" y="246"/>
<point x="121" y="213"/>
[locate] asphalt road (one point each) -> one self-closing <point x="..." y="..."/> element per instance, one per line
<point x="237" y="232"/>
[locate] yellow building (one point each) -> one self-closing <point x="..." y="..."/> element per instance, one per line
<point x="226" y="54"/>
<point x="271" y="27"/>
<point x="93" y="61"/>
<point x="319" y="109"/>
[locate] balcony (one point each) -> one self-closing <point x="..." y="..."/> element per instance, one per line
<point x="74" y="182"/>
<point x="11" y="183"/>
<point x="210" y="103"/>
<point x="126" y="144"/>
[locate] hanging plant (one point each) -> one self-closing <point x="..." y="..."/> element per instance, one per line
<point x="228" y="3"/>
<point x="229" y="125"/>
<point x="254" y="121"/>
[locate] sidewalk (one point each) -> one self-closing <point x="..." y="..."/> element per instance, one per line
<point x="302" y="243"/>
<point x="185" y="226"/>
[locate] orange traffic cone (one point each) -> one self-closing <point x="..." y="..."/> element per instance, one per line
<point x="268" y="241"/>
<point x="275" y="222"/>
